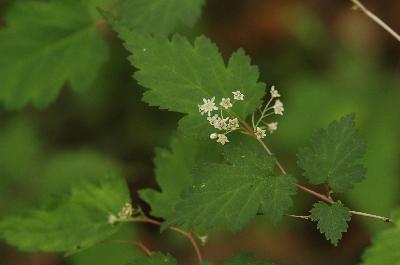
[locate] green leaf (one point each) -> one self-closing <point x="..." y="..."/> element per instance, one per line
<point x="178" y="75"/>
<point x="77" y="222"/>
<point x="109" y="253"/>
<point x="332" y="220"/>
<point x="334" y="155"/>
<point x="230" y="194"/>
<point x="245" y="259"/>
<point x="385" y="248"/>
<point x="174" y="172"/>
<point x="155" y="259"/>
<point x="46" y="44"/>
<point x="158" y="16"/>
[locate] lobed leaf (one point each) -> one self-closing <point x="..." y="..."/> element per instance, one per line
<point x="174" y="172"/>
<point x="77" y="222"/>
<point x="332" y="220"/>
<point x="230" y="194"/>
<point x="333" y="156"/>
<point x="44" y="45"/>
<point x="178" y="74"/>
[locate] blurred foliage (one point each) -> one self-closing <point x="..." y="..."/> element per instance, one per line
<point x="108" y="128"/>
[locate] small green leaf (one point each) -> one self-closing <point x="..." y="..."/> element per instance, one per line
<point x="155" y="259"/>
<point x="334" y="155"/>
<point x="230" y="194"/>
<point x="158" y="16"/>
<point x="44" y="45"/>
<point x="245" y="259"/>
<point x="332" y="220"/>
<point x="385" y="247"/>
<point x="77" y="222"/>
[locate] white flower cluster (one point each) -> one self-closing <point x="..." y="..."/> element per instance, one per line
<point x="225" y="124"/>
<point x="126" y="212"/>
<point x="277" y="109"/>
<point x="226" y="121"/>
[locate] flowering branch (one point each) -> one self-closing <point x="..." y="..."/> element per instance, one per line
<point x="376" y="19"/>
<point x="323" y="197"/>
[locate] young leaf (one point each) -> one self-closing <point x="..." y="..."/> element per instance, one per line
<point x="45" y="44"/>
<point x="76" y="223"/>
<point x="174" y="172"/>
<point x="178" y="75"/>
<point x="385" y="248"/>
<point x="334" y="155"/>
<point x="245" y="259"/>
<point x="155" y="259"/>
<point x="332" y="220"/>
<point x="158" y="16"/>
<point x="231" y="193"/>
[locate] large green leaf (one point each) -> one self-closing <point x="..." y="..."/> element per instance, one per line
<point x="230" y="194"/>
<point x="332" y="220"/>
<point x="158" y="16"/>
<point x="77" y="222"/>
<point x="44" y="45"/>
<point x="174" y="172"/>
<point x="179" y="74"/>
<point x="334" y="155"/>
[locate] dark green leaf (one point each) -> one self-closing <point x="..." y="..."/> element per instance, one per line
<point x="332" y="220"/>
<point x="334" y="155"/>
<point x="230" y="194"/>
<point x="44" y="45"/>
<point x="77" y="222"/>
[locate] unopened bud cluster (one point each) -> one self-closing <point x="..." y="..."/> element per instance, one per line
<point x="123" y="215"/>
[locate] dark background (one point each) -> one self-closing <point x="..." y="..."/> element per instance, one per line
<point x="326" y="59"/>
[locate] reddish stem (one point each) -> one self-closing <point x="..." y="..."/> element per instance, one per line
<point x="189" y="235"/>
<point x="138" y="244"/>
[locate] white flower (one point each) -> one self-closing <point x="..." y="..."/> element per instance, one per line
<point x="112" y="219"/>
<point x="203" y="239"/>
<point x="226" y="103"/>
<point x="237" y="95"/>
<point x="274" y="92"/>
<point x="208" y="106"/>
<point x="221" y="124"/>
<point x="273" y="126"/>
<point x="222" y="139"/>
<point x="126" y="211"/>
<point x="260" y="133"/>
<point x="212" y="120"/>
<point x="213" y="136"/>
<point x="278" y="107"/>
<point x="233" y="123"/>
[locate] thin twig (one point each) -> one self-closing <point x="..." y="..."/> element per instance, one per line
<point x="385" y="219"/>
<point x="305" y="217"/>
<point x="376" y="19"/>
<point x="136" y="243"/>
<point x="321" y="196"/>
<point x="189" y="235"/>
